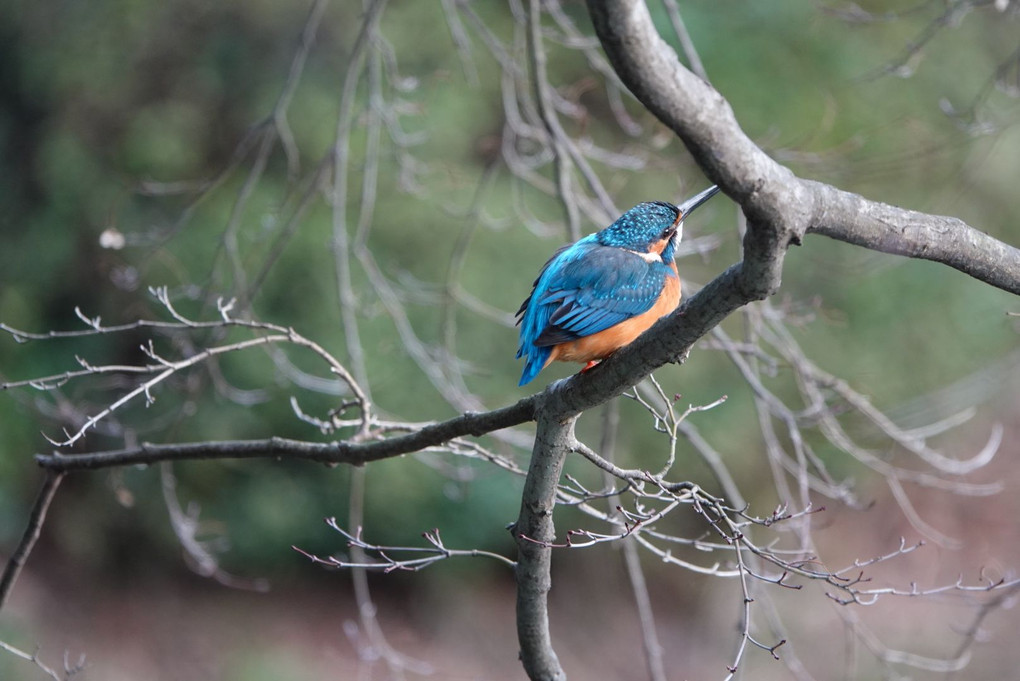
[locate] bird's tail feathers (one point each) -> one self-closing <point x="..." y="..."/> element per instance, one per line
<point x="537" y="357"/>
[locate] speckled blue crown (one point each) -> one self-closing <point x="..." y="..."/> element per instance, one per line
<point x="640" y="226"/>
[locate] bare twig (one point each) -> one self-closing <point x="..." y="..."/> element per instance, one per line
<point x="631" y="559"/>
<point x="31" y="534"/>
<point x="386" y="560"/>
<point x="367" y="611"/>
<point x="70" y="670"/>
<point x="200" y="553"/>
<point x="341" y="162"/>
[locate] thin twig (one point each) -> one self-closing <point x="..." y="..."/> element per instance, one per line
<point x="31" y="534"/>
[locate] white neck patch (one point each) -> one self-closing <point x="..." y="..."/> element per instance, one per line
<point x="647" y="257"/>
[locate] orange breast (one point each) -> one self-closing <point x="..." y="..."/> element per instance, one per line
<point x="604" y="343"/>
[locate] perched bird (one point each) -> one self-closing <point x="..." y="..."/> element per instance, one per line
<point x="601" y="292"/>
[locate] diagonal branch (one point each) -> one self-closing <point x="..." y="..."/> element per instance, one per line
<point x="28" y="539"/>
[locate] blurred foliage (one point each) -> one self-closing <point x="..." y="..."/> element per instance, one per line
<point x="106" y="105"/>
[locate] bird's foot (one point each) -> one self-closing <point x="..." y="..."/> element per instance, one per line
<point x="589" y="365"/>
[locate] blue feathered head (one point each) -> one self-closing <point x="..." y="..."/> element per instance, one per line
<point x="652" y="227"/>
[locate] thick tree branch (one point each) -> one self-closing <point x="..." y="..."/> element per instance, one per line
<point x="534" y="532"/>
<point x="769" y="193"/>
<point x="668" y="341"/>
<point x="699" y="115"/>
<point x="881" y="227"/>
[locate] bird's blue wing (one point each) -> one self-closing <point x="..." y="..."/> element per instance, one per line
<point x="583" y="289"/>
<point x="596" y="291"/>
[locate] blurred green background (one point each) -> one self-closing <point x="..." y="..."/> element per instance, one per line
<point x="117" y="114"/>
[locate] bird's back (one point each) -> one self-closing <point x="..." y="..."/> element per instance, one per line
<point x="582" y="293"/>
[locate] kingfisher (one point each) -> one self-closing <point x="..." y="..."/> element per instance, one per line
<point x="598" y="294"/>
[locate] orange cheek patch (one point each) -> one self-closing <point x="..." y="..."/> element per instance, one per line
<point x="659" y="246"/>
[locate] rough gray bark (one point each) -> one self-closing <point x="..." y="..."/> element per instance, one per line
<point x="780" y="206"/>
<point x="534" y="531"/>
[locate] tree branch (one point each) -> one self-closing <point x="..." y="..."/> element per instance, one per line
<point x="534" y="532"/>
<point x="851" y="218"/>
<point x="780" y="206"/>
<point x="28" y="539"/>
<point x="356" y="453"/>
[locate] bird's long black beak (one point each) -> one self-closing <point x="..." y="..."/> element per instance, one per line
<point x="688" y="206"/>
